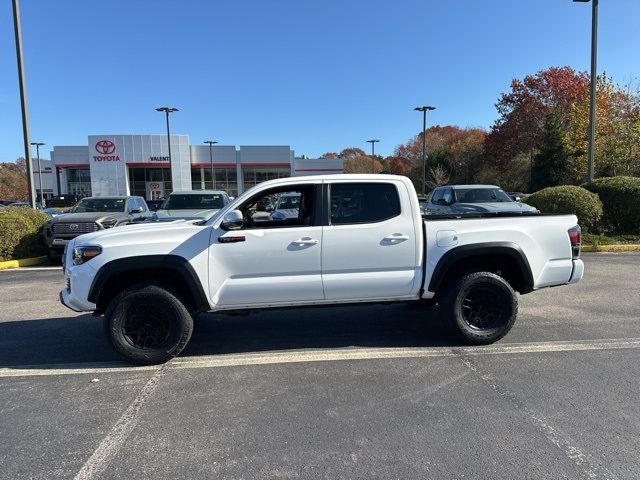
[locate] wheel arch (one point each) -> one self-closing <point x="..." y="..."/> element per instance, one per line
<point x="172" y="271"/>
<point x="505" y="258"/>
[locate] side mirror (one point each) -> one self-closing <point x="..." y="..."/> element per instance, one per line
<point x="232" y="220"/>
<point x="268" y="208"/>
<point x="442" y="201"/>
<point x="136" y="210"/>
<point x="66" y="210"/>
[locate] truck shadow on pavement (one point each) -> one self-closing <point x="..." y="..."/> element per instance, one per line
<point x="81" y="339"/>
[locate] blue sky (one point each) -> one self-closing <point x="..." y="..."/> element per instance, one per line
<point x="317" y="75"/>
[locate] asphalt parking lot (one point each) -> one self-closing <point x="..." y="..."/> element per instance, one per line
<point x="370" y="392"/>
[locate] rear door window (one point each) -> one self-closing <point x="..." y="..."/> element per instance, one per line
<point x="363" y="202"/>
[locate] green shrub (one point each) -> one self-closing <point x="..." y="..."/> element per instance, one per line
<point x="20" y="229"/>
<point x="569" y="199"/>
<point x="621" y="200"/>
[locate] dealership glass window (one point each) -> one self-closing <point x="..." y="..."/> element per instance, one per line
<point x="79" y="181"/>
<point x="139" y="177"/>
<point x="196" y="179"/>
<point x="255" y="175"/>
<point x="225" y="179"/>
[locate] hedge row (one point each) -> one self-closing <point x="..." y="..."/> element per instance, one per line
<point x="570" y="199"/>
<point x="621" y="199"/>
<point x="20" y="233"/>
<point x="608" y="205"/>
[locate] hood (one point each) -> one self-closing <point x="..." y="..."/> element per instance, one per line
<point x="493" y="207"/>
<point x="187" y="213"/>
<point x="137" y="232"/>
<point x="88" y="217"/>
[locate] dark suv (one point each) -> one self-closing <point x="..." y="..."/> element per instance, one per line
<point x="90" y="215"/>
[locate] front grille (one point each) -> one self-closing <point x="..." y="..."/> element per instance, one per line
<point x="75" y="228"/>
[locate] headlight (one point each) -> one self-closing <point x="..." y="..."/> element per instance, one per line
<point x="109" y="223"/>
<point x="85" y="253"/>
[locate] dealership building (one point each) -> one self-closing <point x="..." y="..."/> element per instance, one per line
<point x="141" y="165"/>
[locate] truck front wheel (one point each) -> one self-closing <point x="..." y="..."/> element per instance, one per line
<point x="481" y="307"/>
<point x="147" y="324"/>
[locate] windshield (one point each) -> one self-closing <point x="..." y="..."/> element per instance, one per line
<point x="481" y="195"/>
<point x="288" y="202"/>
<point x="99" y="205"/>
<point x="194" y="201"/>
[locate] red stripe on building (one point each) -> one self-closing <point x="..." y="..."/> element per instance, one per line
<point x="319" y="170"/>
<point x="214" y="164"/>
<point x="265" y="164"/>
<point x="147" y="164"/>
<point x="72" y="165"/>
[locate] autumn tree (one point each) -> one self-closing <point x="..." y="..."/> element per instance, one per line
<point x="522" y="110"/>
<point x="13" y="180"/>
<point x="617" y="141"/>
<point x="329" y="155"/>
<point x="362" y="164"/>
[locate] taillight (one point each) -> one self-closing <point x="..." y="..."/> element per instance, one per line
<point x="575" y="237"/>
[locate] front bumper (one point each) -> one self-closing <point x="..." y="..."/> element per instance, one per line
<point x="78" y="280"/>
<point x="578" y="271"/>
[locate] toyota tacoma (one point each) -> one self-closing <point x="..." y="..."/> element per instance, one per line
<point x="355" y="239"/>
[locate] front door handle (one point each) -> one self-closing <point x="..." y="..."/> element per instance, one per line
<point x="306" y="241"/>
<point x="396" y="238"/>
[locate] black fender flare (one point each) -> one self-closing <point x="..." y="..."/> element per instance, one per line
<point x="461" y="252"/>
<point x="175" y="263"/>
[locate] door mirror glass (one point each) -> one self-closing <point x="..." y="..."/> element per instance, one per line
<point x="135" y="211"/>
<point x="232" y="220"/>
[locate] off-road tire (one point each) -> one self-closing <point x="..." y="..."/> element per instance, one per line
<point x="152" y="309"/>
<point x="479" y="307"/>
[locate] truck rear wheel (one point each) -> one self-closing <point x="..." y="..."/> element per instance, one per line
<point x="481" y="307"/>
<point x="147" y="324"/>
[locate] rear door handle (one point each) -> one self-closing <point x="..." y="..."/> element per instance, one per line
<point x="396" y="238"/>
<point x="306" y="241"/>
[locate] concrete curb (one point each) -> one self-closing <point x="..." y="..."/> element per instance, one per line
<point x="611" y="248"/>
<point x="23" y="262"/>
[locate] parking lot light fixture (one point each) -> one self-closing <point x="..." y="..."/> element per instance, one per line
<point x="373" y="154"/>
<point x="38" y="145"/>
<point x="424" y="109"/>
<point x="167" y="111"/>
<point x="211" y="143"/>
<point x="592" y="101"/>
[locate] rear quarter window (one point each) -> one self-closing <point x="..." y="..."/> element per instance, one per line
<point x="363" y="202"/>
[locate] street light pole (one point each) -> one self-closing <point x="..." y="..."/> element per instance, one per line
<point x="592" y="102"/>
<point x="167" y="111"/>
<point x="211" y="144"/>
<point x="424" y="109"/>
<point x="23" y="102"/>
<point x="38" y="144"/>
<point x="373" y="154"/>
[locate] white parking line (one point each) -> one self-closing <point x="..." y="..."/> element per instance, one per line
<point x="112" y="443"/>
<point x="325" y="355"/>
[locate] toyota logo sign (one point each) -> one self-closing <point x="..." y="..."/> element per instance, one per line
<point x="105" y="147"/>
<point x="73" y="226"/>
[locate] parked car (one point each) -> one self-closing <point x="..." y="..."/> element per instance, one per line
<point x="192" y="204"/>
<point x="154" y="205"/>
<point x="517" y="196"/>
<point x="286" y="206"/>
<point x="356" y="239"/>
<point x="65" y="200"/>
<point x="456" y="199"/>
<point x="91" y="214"/>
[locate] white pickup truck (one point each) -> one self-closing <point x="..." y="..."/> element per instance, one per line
<point x="355" y="239"/>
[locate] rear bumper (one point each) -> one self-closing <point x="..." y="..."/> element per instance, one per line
<point x="578" y="271"/>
